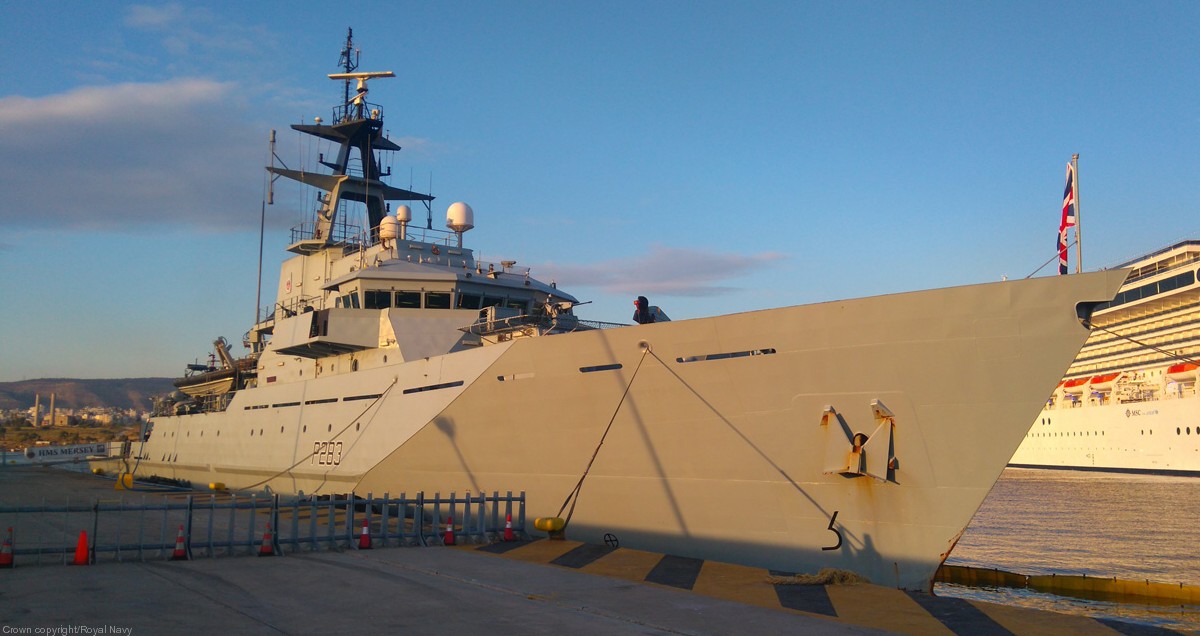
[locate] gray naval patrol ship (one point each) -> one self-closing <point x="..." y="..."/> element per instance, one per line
<point x="857" y="434"/>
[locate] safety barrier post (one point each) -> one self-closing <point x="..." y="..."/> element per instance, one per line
<point x="496" y="510"/>
<point x="383" y="523"/>
<point x="187" y="537"/>
<point x="275" y="524"/>
<point x="482" y="516"/>
<point x="329" y="523"/>
<point x="95" y="528"/>
<point x="212" y="512"/>
<point x="232" y="518"/>
<point x="350" y="506"/>
<point x="296" y="525"/>
<point x="436" y="522"/>
<point x="312" y="525"/>
<point x="521" y="519"/>
<point x="508" y="500"/>
<point x="402" y="507"/>
<point x="466" y="520"/>
<point x="250" y="532"/>
<point x="419" y="517"/>
<point x="366" y="518"/>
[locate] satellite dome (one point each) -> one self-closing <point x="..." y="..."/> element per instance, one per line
<point x="404" y="214"/>
<point x="460" y="217"/>
<point x="389" y="228"/>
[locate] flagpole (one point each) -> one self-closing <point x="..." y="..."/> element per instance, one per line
<point x="1078" y="216"/>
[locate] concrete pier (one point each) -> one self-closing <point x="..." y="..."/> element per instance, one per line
<point x="536" y="587"/>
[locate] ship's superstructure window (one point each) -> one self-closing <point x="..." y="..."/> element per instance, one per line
<point x="437" y="300"/>
<point x="520" y="305"/>
<point x="377" y="299"/>
<point x="408" y="299"/>
<point x="349" y="301"/>
<point x="469" y="301"/>
<point x="493" y="301"/>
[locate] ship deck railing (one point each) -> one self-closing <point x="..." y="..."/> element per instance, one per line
<point x="230" y="524"/>
<point x="353" y="238"/>
<point x="286" y="309"/>
<point x="541" y="322"/>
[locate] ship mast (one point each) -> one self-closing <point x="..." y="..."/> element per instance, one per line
<point x="349" y="62"/>
<point x="356" y="127"/>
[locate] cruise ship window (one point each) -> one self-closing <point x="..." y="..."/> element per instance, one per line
<point x="437" y="300"/>
<point x="408" y="300"/>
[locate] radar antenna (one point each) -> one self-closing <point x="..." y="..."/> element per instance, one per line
<point x="349" y="62"/>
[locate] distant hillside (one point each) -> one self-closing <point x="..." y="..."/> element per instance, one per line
<point x="124" y="393"/>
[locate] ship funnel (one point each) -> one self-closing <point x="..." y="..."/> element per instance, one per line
<point x="460" y="218"/>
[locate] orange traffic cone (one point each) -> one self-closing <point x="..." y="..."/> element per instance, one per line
<point x="508" y="533"/>
<point x="267" y="548"/>
<point x="364" y="539"/>
<point x="448" y="539"/>
<point x="81" y="550"/>
<point x="6" y="555"/>
<point x="180" y="553"/>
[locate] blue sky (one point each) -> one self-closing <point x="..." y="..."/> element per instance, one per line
<point x="714" y="156"/>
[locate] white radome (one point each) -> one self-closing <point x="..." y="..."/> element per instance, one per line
<point x="460" y="217"/>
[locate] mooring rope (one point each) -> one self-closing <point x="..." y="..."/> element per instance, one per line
<point x="573" y="496"/>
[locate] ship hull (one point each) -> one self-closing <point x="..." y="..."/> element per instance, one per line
<point x="727" y="438"/>
<point x="1158" y="437"/>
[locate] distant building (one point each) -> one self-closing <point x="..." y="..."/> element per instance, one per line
<point x="58" y="419"/>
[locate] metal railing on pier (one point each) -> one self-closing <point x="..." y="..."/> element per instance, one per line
<point x="228" y="524"/>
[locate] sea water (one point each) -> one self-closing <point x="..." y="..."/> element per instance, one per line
<point x="1133" y="527"/>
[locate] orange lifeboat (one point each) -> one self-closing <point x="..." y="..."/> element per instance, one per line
<point x="1182" y="372"/>
<point x="1103" y="382"/>
<point x="1075" y="386"/>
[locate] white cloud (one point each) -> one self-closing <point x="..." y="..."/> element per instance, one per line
<point x="668" y="271"/>
<point x="156" y="18"/>
<point x="130" y="155"/>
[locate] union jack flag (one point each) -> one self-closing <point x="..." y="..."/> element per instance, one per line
<point x="1068" y="219"/>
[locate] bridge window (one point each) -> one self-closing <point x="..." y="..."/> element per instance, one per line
<point x="375" y="299"/>
<point x="408" y="299"/>
<point x="437" y="300"/>
<point x="469" y="301"/>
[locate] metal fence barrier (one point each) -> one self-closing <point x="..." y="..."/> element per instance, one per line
<point x="227" y="524"/>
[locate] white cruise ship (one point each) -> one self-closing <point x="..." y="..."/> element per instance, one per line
<point x="857" y="434"/>
<point x="1130" y="402"/>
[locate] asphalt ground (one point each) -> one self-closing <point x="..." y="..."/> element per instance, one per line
<point x="531" y="587"/>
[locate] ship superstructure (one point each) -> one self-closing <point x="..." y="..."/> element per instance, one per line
<point x="1129" y="402"/>
<point x="859" y="434"/>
